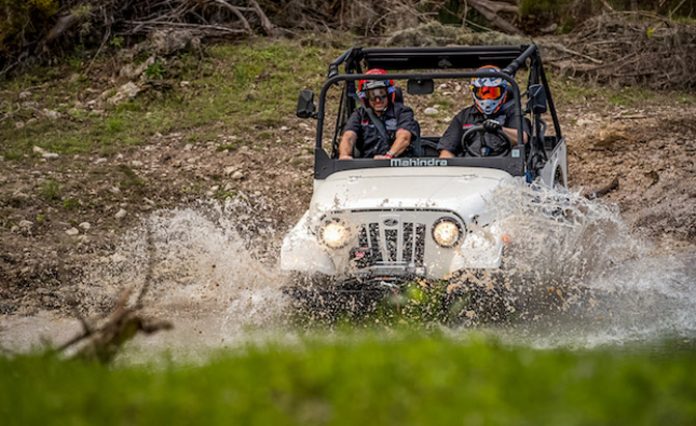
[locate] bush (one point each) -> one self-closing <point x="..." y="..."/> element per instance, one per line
<point x="21" y="21"/>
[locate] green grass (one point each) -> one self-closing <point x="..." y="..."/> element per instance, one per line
<point x="234" y="88"/>
<point x="368" y="378"/>
<point x="50" y="190"/>
<point x="573" y="91"/>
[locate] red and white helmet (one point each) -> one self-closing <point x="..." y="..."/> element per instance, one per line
<point x="489" y="93"/>
<point x="365" y="85"/>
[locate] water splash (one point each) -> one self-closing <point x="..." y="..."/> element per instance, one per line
<point x="214" y="274"/>
<point x="208" y="271"/>
<point x="610" y="285"/>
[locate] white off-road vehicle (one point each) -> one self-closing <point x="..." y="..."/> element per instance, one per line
<point x="390" y="221"/>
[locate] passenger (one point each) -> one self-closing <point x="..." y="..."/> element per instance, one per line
<point x="379" y="107"/>
<point x="492" y="110"/>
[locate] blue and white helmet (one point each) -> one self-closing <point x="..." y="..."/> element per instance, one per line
<point x="489" y="93"/>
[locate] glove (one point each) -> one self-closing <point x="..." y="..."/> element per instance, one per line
<point x="491" y="126"/>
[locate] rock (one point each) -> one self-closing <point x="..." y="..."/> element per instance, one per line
<point x="19" y="125"/>
<point x="214" y="188"/>
<point x="51" y="114"/>
<point x="238" y="175"/>
<point x="127" y="91"/>
<point x="284" y="128"/>
<point x="43" y="153"/>
<point x="136" y="163"/>
<point x="120" y="214"/>
<point x="24" y="95"/>
<point x="132" y="71"/>
<point x="15" y="228"/>
<point x="167" y="42"/>
<point x="100" y="160"/>
<point x="550" y="29"/>
<point x="72" y="232"/>
<point x="608" y="137"/>
<point x="229" y="170"/>
<point x="85" y="225"/>
<point x="430" y="111"/>
<point x="25" y="224"/>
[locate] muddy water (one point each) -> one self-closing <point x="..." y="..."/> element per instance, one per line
<point x="212" y="272"/>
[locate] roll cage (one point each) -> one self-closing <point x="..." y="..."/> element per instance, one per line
<point x="423" y="66"/>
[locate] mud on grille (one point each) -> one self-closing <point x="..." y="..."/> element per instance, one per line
<point x="378" y="244"/>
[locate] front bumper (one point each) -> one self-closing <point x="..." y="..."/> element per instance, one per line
<point x="391" y="244"/>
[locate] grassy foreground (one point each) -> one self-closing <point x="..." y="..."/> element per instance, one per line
<point x="408" y="378"/>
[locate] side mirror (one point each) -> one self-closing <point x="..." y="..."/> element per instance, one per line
<point x="536" y="99"/>
<point x="420" y="87"/>
<point x="305" y="104"/>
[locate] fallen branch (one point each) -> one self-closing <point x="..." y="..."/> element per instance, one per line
<point x="575" y="53"/>
<point x="490" y="9"/>
<point x="266" y="24"/>
<point x="237" y="12"/>
<point x="103" y="342"/>
<point x="202" y="27"/>
<point x="600" y="192"/>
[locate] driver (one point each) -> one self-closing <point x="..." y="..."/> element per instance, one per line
<point x="379" y="108"/>
<point x="492" y="110"/>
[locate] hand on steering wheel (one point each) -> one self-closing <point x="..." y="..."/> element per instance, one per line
<point x="488" y="126"/>
<point x="492" y="126"/>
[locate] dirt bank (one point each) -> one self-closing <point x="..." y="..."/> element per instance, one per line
<point x="59" y="213"/>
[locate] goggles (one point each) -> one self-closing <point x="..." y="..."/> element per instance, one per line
<point x="377" y="94"/>
<point x="487" y="92"/>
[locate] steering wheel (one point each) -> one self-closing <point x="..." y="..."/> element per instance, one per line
<point x="468" y="139"/>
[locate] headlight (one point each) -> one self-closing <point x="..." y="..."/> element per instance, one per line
<point x="334" y="235"/>
<point x="446" y="232"/>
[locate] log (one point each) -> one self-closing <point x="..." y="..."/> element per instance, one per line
<point x="601" y="192"/>
<point x="490" y="9"/>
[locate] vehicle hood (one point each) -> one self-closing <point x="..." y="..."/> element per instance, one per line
<point x="452" y="188"/>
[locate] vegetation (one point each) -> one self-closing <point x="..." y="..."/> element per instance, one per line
<point x="229" y="89"/>
<point x="38" y="31"/>
<point x="361" y="378"/>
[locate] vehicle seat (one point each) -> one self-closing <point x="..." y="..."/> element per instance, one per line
<point x="425" y="146"/>
<point x="398" y="95"/>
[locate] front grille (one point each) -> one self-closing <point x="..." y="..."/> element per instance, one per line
<point x="381" y="245"/>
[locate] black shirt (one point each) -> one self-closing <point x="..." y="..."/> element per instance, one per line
<point x="370" y="143"/>
<point x="469" y="117"/>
